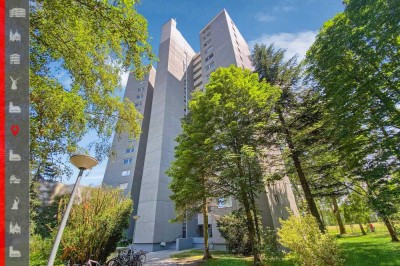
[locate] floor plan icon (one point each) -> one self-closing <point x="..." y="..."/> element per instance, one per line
<point x="14" y="253"/>
<point x="15" y="229"/>
<point x="14" y="157"/>
<point x="14" y="109"/>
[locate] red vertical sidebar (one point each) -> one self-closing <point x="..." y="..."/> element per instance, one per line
<point x="2" y="130"/>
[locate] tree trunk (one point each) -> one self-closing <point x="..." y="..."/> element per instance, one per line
<point x="299" y="169"/>
<point x="254" y="207"/>
<point x="251" y="229"/>
<point x="336" y="212"/>
<point x="207" y="254"/>
<point x="362" y="229"/>
<point x="390" y="228"/>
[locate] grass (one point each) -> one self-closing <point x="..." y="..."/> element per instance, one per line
<point x="374" y="249"/>
<point x="219" y="258"/>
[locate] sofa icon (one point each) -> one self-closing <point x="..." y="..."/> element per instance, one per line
<point x="14" y="109"/>
<point x="14" y="157"/>
<point x="14" y="253"/>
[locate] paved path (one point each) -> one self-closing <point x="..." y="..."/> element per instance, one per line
<point x="161" y="257"/>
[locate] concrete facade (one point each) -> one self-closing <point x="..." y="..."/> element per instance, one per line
<point x="125" y="167"/>
<point x="180" y="70"/>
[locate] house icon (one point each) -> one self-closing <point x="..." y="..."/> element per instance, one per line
<point x="15" y="229"/>
<point x="14" y="180"/>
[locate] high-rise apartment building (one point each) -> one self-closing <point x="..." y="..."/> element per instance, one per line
<point x="179" y="71"/>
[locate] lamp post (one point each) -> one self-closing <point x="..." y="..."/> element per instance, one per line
<point x="82" y="162"/>
<point x="135" y="217"/>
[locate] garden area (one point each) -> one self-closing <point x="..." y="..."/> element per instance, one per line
<point x="373" y="249"/>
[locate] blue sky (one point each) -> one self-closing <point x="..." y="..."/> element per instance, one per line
<point x="289" y="24"/>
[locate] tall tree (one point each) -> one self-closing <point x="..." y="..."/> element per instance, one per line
<point x="356" y="209"/>
<point x="236" y="105"/>
<point x="192" y="171"/>
<point x="272" y="67"/>
<point x="77" y="50"/>
<point x="355" y="61"/>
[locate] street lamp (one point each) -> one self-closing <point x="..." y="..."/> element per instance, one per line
<point x="82" y="162"/>
<point x="135" y="217"/>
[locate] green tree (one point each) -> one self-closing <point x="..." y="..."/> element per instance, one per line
<point x="192" y="171"/>
<point x="95" y="225"/>
<point x="237" y="106"/>
<point x="234" y="230"/>
<point x="355" y="62"/>
<point x="356" y="209"/>
<point x="272" y="67"/>
<point x="87" y="43"/>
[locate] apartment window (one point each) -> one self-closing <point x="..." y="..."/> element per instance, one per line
<point x="138" y="104"/>
<point x="198" y="63"/>
<point x="200" y="230"/>
<point x="208" y="75"/>
<point x="196" y="78"/>
<point x="128" y="161"/>
<point x="210" y="65"/>
<point x="276" y="197"/>
<point x="129" y="150"/>
<point x="198" y="85"/>
<point x="123" y="186"/>
<point x="209" y="57"/>
<point x="126" y="173"/>
<point x="207" y="42"/>
<point x="197" y="71"/>
<point x="140" y="96"/>
<point x="208" y="49"/>
<point x="140" y="89"/>
<point x="205" y="30"/>
<point x="225" y="202"/>
<point x="207" y="35"/>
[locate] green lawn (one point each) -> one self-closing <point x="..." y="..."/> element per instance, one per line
<point x="374" y="249"/>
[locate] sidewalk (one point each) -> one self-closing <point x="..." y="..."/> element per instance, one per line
<point x="161" y="257"/>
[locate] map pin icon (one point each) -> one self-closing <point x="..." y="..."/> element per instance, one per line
<point x="14" y="130"/>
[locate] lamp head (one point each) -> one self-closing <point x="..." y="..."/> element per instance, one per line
<point x="83" y="161"/>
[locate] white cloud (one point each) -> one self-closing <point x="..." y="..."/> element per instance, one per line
<point x="285" y="8"/>
<point x="264" y="17"/>
<point x="294" y="43"/>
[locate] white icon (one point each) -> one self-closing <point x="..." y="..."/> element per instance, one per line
<point x="15" y="180"/>
<point x="15" y="229"/>
<point x="14" y="109"/>
<point x="14" y="157"/>
<point x="14" y="83"/>
<point x="15" y="59"/>
<point x="15" y="204"/>
<point x="18" y="12"/>
<point x="14" y="253"/>
<point x="15" y="36"/>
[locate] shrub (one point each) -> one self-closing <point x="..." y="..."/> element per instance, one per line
<point x="233" y="229"/>
<point x="270" y="247"/>
<point x="95" y="224"/>
<point x="308" y="245"/>
<point x="39" y="250"/>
